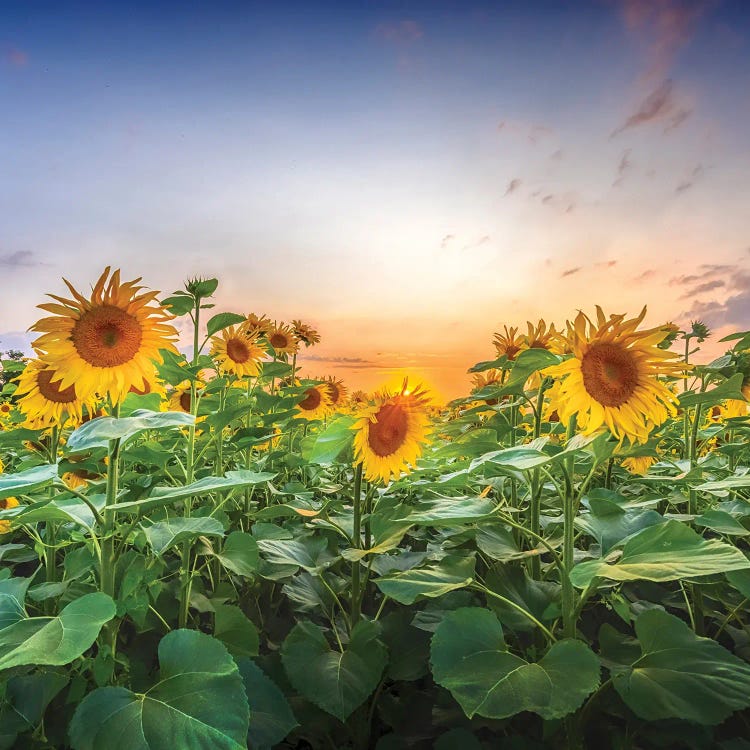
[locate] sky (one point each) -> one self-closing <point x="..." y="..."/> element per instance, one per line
<point x="408" y="177"/>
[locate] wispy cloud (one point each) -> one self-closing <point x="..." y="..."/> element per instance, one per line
<point x="647" y="274"/>
<point x="513" y="185"/>
<point x="532" y="132"/>
<point x="447" y="240"/>
<point x="337" y="360"/>
<point x="706" y="286"/>
<point x="660" y="105"/>
<point x="695" y="174"/>
<point x="570" y="271"/>
<point x="18" y="259"/>
<point x="16" y="58"/>
<point x="399" y="32"/>
<point x="624" y="165"/>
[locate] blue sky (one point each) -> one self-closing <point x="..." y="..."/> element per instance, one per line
<point x="407" y="176"/>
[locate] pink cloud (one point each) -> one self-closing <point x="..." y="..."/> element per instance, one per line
<point x="15" y="57"/>
<point x="400" y="32"/>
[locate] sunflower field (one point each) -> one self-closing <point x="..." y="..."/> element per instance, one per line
<point x="212" y="551"/>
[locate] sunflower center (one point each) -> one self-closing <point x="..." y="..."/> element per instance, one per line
<point x="185" y="401"/>
<point x="238" y="351"/>
<point x="333" y="389"/>
<point x="511" y="350"/>
<point x="107" y="336"/>
<point x="538" y="344"/>
<point x="610" y="374"/>
<point x="278" y="341"/>
<point x="51" y="391"/>
<point x="388" y="432"/>
<point x="311" y="400"/>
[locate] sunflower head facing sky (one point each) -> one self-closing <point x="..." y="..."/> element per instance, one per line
<point x="259" y="324"/>
<point x="612" y="378"/>
<point x="238" y="350"/>
<point x="336" y="390"/>
<point x="305" y="333"/>
<point x="390" y="435"/>
<point x="540" y="336"/>
<point x="105" y="343"/>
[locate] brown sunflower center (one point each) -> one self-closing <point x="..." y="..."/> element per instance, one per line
<point x="51" y="391"/>
<point x="312" y="399"/>
<point x="538" y="344"/>
<point x="185" y="401"/>
<point x="278" y="341"/>
<point x="141" y="391"/>
<point x="333" y="389"/>
<point x="238" y="351"/>
<point x="610" y="374"/>
<point x="388" y="432"/>
<point x="107" y="336"/>
<point x="511" y="350"/>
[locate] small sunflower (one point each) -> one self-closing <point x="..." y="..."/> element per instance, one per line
<point x="77" y="479"/>
<point x="336" y="390"/>
<point x="44" y="402"/>
<point x="106" y="343"/>
<point x="5" y="503"/>
<point x="509" y="344"/>
<point x="357" y="400"/>
<point x="305" y="333"/>
<point x="638" y="464"/>
<point x="259" y="324"/>
<point x="539" y="336"/>
<point x="483" y="379"/>
<point x="238" y="351"/>
<point x="316" y="402"/>
<point x="282" y="339"/>
<point x="612" y="378"/>
<point x="179" y="398"/>
<point x="390" y="436"/>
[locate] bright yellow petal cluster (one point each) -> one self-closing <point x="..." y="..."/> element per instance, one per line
<point x="282" y="339"/>
<point x="611" y="380"/>
<point x="509" y="343"/>
<point x="105" y="343"/>
<point x="390" y="435"/>
<point x="316" y="402"/>
<point x="638" y="464"/>
<point x="238" y="350"/>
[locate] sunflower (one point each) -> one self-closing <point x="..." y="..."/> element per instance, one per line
<point x="316" y="402"/>
<point x="483" y="379"/>
<point x="238" y="351"/>
<point x="79" y="478"/>
<point x="281" y="337"/>
<point x="509" y="344"/>
<point x="305" y="333"/>
<point x="272" y="442"/>
<point x="638" y="464"/>
<point x="259" y="324"/>
<point x="336" y="390"/>
<point x="612" y="378"/>
<point x="106" y="343"/>
<point x="390" y="436"/>
<point x="541" y="337"/>
<point x="5" y="503"/>
<point x="44" y="402"/>
<point x="148" y="386"/>
<point x="179" y="398"/>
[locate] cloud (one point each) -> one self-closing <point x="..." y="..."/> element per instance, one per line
<point x="557" y="155"/>
<point x="695" y="174"/>
<point x="606" y="264"/>
<point x="446" y="240"/>
<point x="548" y="198"/>
<point x="405" y="31"/>
<point x="624" y="165"/>
<point x="338" y="360"/>
<point x="15" y="57"/>
<point x="664" y="27"/>
<point x="570" y="271"/>
<point x="647" y="274"/>
<point x="532" y="132"/>
<point x="513" y="185"/>
<point x="706" y="286"/>
<point x="18" y="259"/>
<point x="660" y="105"/>
<point x="485" y="239"/>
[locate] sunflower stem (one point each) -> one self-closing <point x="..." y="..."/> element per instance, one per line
<point x="356" y="604"/>
<point x="700" y="623"/>
<point x="536" y="489"/>
<point x="568" y="594"/>
<point x="51" y="540"/>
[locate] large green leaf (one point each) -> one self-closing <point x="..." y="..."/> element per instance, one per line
<point x="98" y="432"/>
<point x="452" y="572"/>
<point x="271" y="719"/>
<point x="240" y="554"/>
<point x="309" y="553"/>
<point x="450" y="511"/>
<point x="336" y="681"/>
<point x="27" y="481"/>
<point x="55" y="641"/>
<point x="198" y="703"/>
<point x="165" y="534"/>
<point x="235" y="631"/>
<point x="470" y="658"/>
<point x="223" y="320"/>
<point x="12" y="597"/>
<point x="162" y="496"/>
<point x="666" y="552"/>
<point x="680" y="675"/>
<point x="330" y="442"/>
<point x="729" y="389"/>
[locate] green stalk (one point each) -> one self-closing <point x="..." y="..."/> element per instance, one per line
<point x="536" y="486"/>
<point x="356" y="605"/>
<point x="698" y="610"/>
<point x="568" y="593"/>
<point x="186" y="578"/>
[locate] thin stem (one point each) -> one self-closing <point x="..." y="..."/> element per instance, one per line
<point x="357" y="544"/>
<point x="568" y="593"/>
<point x="517" y="607"/>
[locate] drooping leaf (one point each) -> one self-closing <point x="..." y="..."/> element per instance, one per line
<point x="681" y="675"/>
<point x="240" y="554"/>
<point x="165" y="534"/>
<point x="338" y="682"/>
<point x="223" y="320"/>
<point x="667" y="552"/>
<point x="235" y="631"/>
<point x="470" y="658"/>
<point x="198" y="703"/>
<point x="27" y="481"/>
